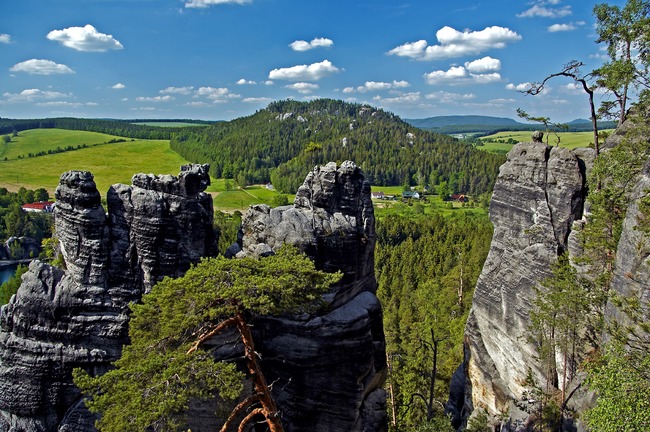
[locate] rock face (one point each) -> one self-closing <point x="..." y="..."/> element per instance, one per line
<point x="62" y="319"/>
<point x="328" y="370"/>
<point x="538" y="195"/>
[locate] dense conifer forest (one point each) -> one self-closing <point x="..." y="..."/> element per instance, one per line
<point x="280" y="144"/>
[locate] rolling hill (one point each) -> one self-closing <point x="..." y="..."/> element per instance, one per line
<point x="282" y="142"/>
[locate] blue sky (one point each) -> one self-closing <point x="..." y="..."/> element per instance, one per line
<point x="222" y="59"/>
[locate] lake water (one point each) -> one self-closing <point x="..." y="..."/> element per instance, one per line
<point x="6" y="273"/>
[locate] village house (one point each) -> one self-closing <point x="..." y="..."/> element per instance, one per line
<point x="39" y="207"/>
<point x="410" y="194"/>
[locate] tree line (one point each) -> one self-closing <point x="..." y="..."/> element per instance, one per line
<point x="123" y="128"/>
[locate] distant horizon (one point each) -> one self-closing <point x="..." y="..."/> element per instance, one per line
<point x="172" y="118"/>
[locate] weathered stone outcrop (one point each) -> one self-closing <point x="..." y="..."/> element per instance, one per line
<point x="327" y="369"/>
<point x="538" y="195"/>
<point x="62" y="319"/>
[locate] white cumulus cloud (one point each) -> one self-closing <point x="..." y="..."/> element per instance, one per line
<point x="454" y="43"/>
<point x="403" y="99"/>
<point x="208" y="3"/>
<point x="541" y="9"/>
<point x="5" y="38"/>
<point x="522" y="87"/>
<point x="483" y="65"/>
<point x="565" y="27"/>
<point x="166" y="98"/>
<point x="85" y="38"/>
<point x="450" y="97"/>
<point x="312" y="72"/>
<point x="41" y="67"/>
<point x="458" y="75"/>
<point x="245" y="82"/>
<point x="177" y="90"/>
<point x="216" y="94"/>
<point x="375" y="86"/>
<point x="31" y="95"/>
<point x="303" y="87"/>
<point x="301" y="45"/>
<point x="257" y="100"/>
<point x="118" y="86"/>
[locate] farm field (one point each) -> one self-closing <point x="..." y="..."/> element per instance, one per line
<point x="110" y="164"/>
<point x="239" y="199"/>
<point x="567" y="139"/>
<point x="43" y="140"/>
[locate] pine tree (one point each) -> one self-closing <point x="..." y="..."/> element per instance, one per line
<point x="164" y="367"/>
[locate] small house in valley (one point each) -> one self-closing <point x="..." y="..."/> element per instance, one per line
<point x="410" y="194"/>
<point x="39" y="207"/>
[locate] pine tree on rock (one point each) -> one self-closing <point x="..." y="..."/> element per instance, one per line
<point x="165" y="368"/>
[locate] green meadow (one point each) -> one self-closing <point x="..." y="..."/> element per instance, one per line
<point x="110" y="164"/>
<point x="569" y="140"/>
<point x="43" y="140"/>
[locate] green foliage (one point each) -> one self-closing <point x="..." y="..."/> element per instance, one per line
<point x="436" y="424"/>
<point x="426" y="269"/>
<point x="155" y="378"/>
<point x="280" y="200"/>
<point x="478" y="423"/>
<point x="10" y="287"/>
<point x="560" y="320"/>
<point x="226" y="226"/>
<point x="624" y="31"/>
<point x="622" y="383"/>
<point x="14" y="222"/>
<point x="613" y="175"/>
<point x="285" y="140"/>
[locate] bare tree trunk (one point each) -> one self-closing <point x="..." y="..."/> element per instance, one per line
<point x="269" y="410"/>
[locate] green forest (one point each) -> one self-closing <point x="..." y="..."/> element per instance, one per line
<point x="282" y="142"/>
<point x="426" y="269"/>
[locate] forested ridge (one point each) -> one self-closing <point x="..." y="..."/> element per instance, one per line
<point x="123" y="128"/>
<point x="282" y="142"/>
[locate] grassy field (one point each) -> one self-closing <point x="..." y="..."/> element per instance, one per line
<point x="42" y="140"/>
<point x="110" y="163"/>
<point x="240" y="199"/>
<point x="567" y="139"/>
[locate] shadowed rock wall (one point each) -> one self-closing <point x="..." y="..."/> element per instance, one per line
<point x="328" y="370"/>
<point x="62" y="319"/>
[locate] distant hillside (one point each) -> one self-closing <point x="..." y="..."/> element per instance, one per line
<point x="282" y="142"/>
<point x="122" y="128"/>
<point x="487" y="125"/>
<point x="461" y="120"/>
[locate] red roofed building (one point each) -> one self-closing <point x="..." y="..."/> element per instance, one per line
<point x="39" y="207"/>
